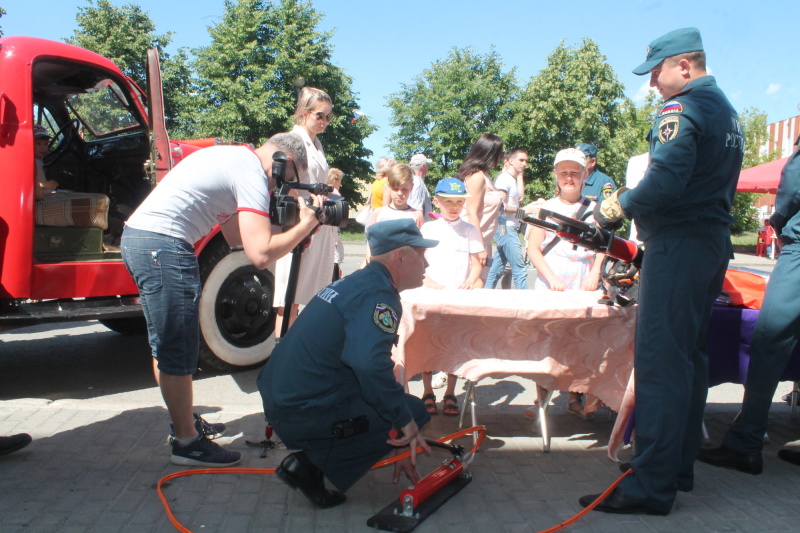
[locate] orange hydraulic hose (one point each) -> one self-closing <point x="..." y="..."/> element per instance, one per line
<point x="481" y="430"/>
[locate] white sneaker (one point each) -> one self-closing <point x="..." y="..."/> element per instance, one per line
<point x="439" y="380"/>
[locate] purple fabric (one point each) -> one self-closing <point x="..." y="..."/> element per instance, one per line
<point x="729" y="334"/>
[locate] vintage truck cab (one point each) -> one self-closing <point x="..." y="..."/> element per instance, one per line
<point x="59" y="256"/>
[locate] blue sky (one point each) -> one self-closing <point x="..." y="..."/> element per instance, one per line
<point x="751" y="46"/>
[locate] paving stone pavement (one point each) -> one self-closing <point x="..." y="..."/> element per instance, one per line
<point x="97" y="457"/>
<point x="94" y="466"/>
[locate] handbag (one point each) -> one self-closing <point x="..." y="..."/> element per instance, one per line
<point x="363" y="216"/>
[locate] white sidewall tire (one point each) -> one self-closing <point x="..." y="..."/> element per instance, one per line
<point x="225" y="351"/>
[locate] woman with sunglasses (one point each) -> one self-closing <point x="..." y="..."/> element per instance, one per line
<point x="313" y="114"/>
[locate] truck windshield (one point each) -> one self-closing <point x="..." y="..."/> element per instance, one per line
<point x="103" y="109"/>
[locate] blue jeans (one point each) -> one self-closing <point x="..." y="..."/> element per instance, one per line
<point x="167" y="275"/>
<point x="508" y="250"/>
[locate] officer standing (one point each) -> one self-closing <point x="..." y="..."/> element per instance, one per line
<point x="682" y="210"/>
<point x="598" y="186"/>
<point x="335" y="365"/>
<point x="774" y="338"/>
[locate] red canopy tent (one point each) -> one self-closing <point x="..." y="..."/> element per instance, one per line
<point x="762" y="178"/>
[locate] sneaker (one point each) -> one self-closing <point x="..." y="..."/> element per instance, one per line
<point x="204" y="428"/>
<point x="439" y="380"/>
<point x="203" y="452"/>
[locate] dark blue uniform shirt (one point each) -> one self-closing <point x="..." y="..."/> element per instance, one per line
<point x="787" y="202"/>
<point x="598" y="186"/>
<point x="339" y="347"/>
<point x="689" y="179"/>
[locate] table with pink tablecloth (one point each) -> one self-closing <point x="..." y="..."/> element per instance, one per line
<point x="562" y="340"/>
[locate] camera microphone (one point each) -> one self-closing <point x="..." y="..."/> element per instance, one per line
<point x="279" y="160"/>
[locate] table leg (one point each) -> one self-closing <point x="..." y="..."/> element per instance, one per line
<point x="469" y="398"/>
<point x="544" y="403"/>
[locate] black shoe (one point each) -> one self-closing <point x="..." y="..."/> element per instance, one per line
<point x="297" y="471"/>
<point x="725" y="457"/>
<point x="14" y="443"/>
<point x="618" y="503"/>
<point x="791" y="456"/>
<point x="624" y="467"/>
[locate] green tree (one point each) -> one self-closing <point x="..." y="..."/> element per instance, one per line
<point x="445" y="109"/>
<point x="124" y="34"/>
<point x="261" y="54"/>
<point x="754" y="123"/>
<point x="2" y="12"/>
<point x="575" y="98"/>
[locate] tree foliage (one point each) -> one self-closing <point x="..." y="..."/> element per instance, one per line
<point x="124" y="34"/>
<point x="754" y="123"/>
<point x="2" y="12"/>
<point x="261" y="54"/>
<point x="445" y="109"/>
<point x="575" y="98"/>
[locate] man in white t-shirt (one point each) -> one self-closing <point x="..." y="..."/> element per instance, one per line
<point x="420" y="198"/>
<point x="226" y="185"/>
<point x="509" y="250"/>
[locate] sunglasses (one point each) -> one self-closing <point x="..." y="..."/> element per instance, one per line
<point x="323" y="117"/>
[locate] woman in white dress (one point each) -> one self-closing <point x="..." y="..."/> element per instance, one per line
<point x="313" y="114"/>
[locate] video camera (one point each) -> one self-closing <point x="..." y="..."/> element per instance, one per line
<point x="283" y="207"/>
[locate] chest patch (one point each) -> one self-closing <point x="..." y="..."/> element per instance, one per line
<point x="668" y="129"/>
<point x="385" y="318"/>
<point x="671" y="107"/>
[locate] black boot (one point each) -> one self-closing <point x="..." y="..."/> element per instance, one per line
<point x="725" y="457"/>
<point x="297" y="471"/>
<point x="14" y="443"/>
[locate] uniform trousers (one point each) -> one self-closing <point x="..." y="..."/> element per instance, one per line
<point x="342" y="460"/>
<point x="774" y="339"/>
<point x="682" y="274"/>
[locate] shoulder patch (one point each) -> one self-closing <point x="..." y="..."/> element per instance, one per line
<point x="608" y="190"/>
<point x="673" y="106"/>
<point x="385" y="318"/>
<point x="668" y="129"/>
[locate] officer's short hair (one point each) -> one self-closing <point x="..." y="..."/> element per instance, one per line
<point x="293" y="145"/>
<point x="698" y="58"/>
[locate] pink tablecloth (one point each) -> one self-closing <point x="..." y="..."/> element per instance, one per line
<point x="561" y="340"/>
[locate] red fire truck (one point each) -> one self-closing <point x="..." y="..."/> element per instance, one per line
<point x="59" y="256"/>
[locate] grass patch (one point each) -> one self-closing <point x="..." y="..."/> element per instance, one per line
<point x="355" y="232"/>
<point x="745" y="243"/>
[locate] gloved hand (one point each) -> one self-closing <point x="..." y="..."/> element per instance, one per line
<point x="608" y="214"/>
<point x="777" y="221"/>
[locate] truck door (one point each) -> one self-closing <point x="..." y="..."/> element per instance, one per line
<point x="160" y="161"/>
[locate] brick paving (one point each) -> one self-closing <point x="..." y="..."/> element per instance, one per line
<point x="95" y="462"/>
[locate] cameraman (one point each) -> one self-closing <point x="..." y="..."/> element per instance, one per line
<point x="226" y="185"/>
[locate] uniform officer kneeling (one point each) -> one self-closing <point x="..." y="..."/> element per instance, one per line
<point x="335" y="365"/>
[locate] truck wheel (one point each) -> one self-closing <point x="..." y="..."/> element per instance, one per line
<point x="237" y="319"/>
<point x="127" y="326"/>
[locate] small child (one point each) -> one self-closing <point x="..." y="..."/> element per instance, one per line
<point x="453" y="264"/>
<point x="401" y="182"/>
<point x="41" y="144"/>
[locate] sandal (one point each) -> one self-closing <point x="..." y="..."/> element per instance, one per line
<point x="532" y="412"/>
<point x="450" y="409"/>
<point x="430" y="404"/>
<point x="579" y="410"/>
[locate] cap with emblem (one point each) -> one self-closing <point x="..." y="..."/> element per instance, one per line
<point x="40" y="132"/>
<point x="673" y="43"/>
<point x="451" y="188"/>
<point x="589" y="150"/>
<point x="383" y="237"/>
